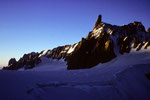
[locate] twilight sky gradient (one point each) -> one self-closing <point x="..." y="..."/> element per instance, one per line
<point x="36" y="25"/>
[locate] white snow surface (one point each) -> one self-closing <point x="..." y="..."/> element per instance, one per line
<point x="123" y="78"/>
<point x="72" y="48"/>
<point x="44" y="53"/>
<point x="49" y="64"/>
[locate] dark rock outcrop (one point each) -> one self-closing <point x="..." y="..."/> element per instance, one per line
<point x="98" y="21"/>
<point x="148" y="30"/>
<point x="11" y="64"/>
<point x="101" y="45"/>
<point x="59" y="52"/>
<point x="12" y="61"/>
<point x="90" y="52"/>
<point x="148" y="76"/>
<point x="105" y="42"/>
<point x="28" y="61"/>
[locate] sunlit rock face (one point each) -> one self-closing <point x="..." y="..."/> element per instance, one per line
<point x="90" y="51"/>
<point x="107" y="41"/>
<point x="101" y="45"/>
<point x="97" y="47"/>
<point x="59" y="53"/>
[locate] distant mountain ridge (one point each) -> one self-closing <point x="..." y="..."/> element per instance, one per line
<point x="101" y="45"/>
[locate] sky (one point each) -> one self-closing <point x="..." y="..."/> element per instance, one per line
<point x="36" y="25"/>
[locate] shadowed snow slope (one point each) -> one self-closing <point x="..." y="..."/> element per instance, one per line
<point x="103" y="44"/>
<point x="123" y="78"/>
<point x="118" y="58"/>
<point x="49" y="65"/>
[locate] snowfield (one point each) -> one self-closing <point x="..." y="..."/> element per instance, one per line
<point x="123" y="78"/>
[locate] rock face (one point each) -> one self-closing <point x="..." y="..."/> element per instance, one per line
<point x="107" y="41"/>
<point x="98" y="21"/>
<point x="101" y="45"/>
<point x="59" y="52"/>
<point x="90" y="51"/>
<point x="28" y="61"/>
<point x="12" y="61"/>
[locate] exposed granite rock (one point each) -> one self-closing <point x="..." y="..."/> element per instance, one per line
<point x="28" y="61"/>
<point x="98" y="21"/>
<point x="90" y="52"/>
<point x="101" y="45"/>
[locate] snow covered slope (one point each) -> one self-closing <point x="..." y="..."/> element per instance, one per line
<point x="104" y="43"/>
<point x="118" y="58"/>
<point x="48" y="65"/>
<point x="123" y="78"/>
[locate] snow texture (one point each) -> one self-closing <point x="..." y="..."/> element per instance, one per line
<point x="123" y="78"/>
<point x="49" y="65"/>
<point x="72" y="48"/>
<point x="44" y="53"/>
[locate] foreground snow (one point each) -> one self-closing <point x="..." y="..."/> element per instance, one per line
<point x="123" y="78"/>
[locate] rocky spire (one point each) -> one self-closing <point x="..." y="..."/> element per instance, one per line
<point x="98" y="21"/>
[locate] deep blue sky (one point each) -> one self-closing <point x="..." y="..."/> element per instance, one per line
<point x="36" y="25"/>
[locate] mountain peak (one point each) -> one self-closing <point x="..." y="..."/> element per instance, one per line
<point x="102" y="44"/>
<point x="98" y="21"/>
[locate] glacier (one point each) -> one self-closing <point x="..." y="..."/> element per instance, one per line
<point x="123" y="78"/>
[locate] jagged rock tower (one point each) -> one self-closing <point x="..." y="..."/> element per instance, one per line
<point x="98" y="21"/>
<point x="102" y="44"/>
